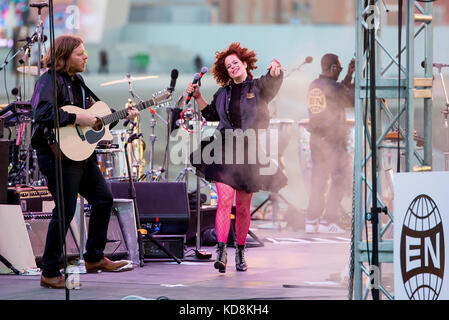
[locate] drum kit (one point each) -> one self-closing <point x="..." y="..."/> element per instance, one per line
<point x="111" y="155"/>
<point x="22" y="170"/>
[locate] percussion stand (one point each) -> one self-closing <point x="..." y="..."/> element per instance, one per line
<point x="153" y="175"/>
<point x="183" y="175"/>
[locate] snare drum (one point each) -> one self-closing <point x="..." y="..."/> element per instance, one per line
<point x="105" y="159"/>
<point x="111" y="156"/>
<point x="119" y="138"/>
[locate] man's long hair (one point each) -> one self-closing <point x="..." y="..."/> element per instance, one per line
<point x="219" y="70"/>
<point x="64" y="46"/>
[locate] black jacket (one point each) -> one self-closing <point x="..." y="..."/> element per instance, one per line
<point x="42" y="102"/>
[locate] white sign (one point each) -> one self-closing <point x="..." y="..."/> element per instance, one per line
<point x="421" y="234"/>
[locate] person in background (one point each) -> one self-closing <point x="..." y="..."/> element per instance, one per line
<point x="327" y="100"/>
<point x="104" y="62"/>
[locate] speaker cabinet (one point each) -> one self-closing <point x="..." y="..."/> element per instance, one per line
<point x="115" y="244"/>
<point x="37" y="226"/>
<point x="31" y="199"/>
<point x="164" y="204"/>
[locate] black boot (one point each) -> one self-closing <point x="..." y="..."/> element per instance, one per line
<point x="222" y="258"/>
<point x="240" y="262"/>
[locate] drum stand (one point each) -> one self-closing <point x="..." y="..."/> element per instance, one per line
<point x="154" y="175"/>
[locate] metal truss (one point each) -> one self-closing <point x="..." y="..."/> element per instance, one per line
<point x="394" y="129"/>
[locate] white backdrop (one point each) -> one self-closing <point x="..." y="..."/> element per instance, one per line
<point x="421" y="230"/>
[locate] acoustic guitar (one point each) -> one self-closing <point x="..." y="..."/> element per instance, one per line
<point x="79" y="142"/>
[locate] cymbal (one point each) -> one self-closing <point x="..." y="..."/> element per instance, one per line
<point x="31" y="70"/>
<point x="127" y="79"/>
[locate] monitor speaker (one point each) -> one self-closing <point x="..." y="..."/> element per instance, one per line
<point x="164" y="204"/>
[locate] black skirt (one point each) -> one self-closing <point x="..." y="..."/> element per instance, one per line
<point x="251" y="171"/>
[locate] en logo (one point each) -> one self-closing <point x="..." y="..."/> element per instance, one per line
<point x="422" y="250"/>
<point x="316" y="101"/>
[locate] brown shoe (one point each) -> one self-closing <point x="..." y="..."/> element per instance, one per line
<point x="58" y="283"/>
<point x="107" y="265"/>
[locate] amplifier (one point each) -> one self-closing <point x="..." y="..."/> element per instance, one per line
<point x="115" y="245"/>
<point x="174" y="244"/>
<point x="29" y="198"/>
<point x="37" y="226"/>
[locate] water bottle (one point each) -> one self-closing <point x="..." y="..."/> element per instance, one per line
<point x="213" y="198"/>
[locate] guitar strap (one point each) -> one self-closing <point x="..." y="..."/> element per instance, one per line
<point x="83" y="85"/>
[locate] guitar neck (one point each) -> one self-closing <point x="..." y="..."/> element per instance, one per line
<point x="122" y="114"/>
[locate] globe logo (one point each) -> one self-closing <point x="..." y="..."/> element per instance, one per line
<point x="422" y="250"/>
<point x="316" y="101"/>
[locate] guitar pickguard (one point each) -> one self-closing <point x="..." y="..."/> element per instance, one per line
<point x="93" y="136"/>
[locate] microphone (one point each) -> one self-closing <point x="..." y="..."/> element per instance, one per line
<point x="309" y="59"/>
<point x="39" y="5"/>
<point x="196" y="78"/>
<point x="27" y="52"/>
<point x="17" y="93"/>
<point x="33" y="38"/>
<point x="440" y="65"/>
<point x="174" y="76"/>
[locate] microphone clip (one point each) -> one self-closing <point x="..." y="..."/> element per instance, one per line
<point x="133" y="137"/>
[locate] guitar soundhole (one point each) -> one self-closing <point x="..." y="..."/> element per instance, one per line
<point x="98" y="125"/>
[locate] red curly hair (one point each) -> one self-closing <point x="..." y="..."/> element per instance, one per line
<point x="219" y="70"/>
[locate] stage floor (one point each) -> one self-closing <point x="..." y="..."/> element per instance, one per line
<point x="290" y="265"/>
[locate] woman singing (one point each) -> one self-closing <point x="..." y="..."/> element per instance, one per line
<point x="241" y="107"/>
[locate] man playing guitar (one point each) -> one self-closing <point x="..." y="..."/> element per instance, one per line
<point x="79" y="177"/>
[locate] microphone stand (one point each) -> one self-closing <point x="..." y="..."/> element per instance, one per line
<point x="200" y="254"/>
<point x="298" y="68"/>
<point x="59" y="185"/>
<point x="132" y="195"/>
<point x="141" y="232"/>
<point x="25" y="47"/>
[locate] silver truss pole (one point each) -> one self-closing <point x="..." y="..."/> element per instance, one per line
<point x="412" y="87"/>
